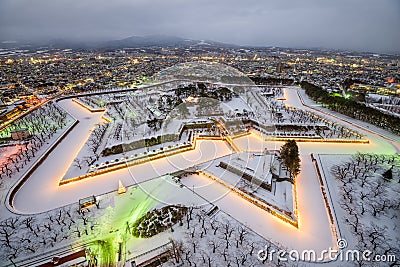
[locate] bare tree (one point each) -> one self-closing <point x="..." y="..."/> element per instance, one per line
<point x="6" y="235"/>
<point x="242" y="233"/>
<point x="28" y="222"/>
<point x="214" y="244"/>
<point x="78" y="163"/>
<point x="177" y="249"/>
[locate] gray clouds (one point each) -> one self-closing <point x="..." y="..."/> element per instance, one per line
<point x="367" y="25"/>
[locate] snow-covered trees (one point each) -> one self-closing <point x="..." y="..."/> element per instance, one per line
<point x="26" y="235"/>
<point x="220" y="241"/>
<point x="371" y="202"/>
<point x="42" y="124"/>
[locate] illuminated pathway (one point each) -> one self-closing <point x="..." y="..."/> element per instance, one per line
<point x="41" y="192"/>
<point x="382" y="141"/>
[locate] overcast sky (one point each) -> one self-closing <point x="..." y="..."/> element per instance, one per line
<point x="363" y="25"/>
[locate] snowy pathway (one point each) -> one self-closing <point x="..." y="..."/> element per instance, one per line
<point x="381" y="140"/>
<point x="41" y="192"/>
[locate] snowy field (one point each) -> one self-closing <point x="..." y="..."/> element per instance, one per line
<point x="366" y="203"/>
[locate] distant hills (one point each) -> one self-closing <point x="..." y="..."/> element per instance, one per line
<point x="130" y="42"/>
<point x="160" y="41"/>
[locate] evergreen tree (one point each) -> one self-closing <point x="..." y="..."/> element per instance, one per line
<point x="290" y="157"/>
<point x="388" y="174"/>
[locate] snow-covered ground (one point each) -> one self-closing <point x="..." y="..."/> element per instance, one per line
<point x="42" y="191"/>
<point x="365" y="203"/>
<point x="383" y="141"/>
<point x="314" y="230"/>
<point x="281" y="193"/>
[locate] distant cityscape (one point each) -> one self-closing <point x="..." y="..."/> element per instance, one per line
<point x="30" y="75"/>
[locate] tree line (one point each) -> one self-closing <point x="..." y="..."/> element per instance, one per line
<point x="271" y="80"/>
<point x="352" y="108"/>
